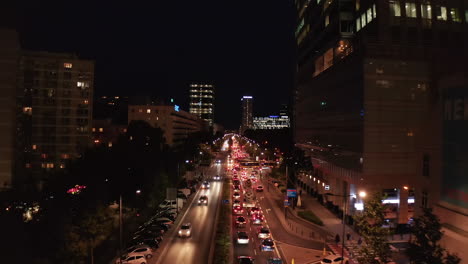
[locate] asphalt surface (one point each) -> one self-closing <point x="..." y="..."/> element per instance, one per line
<point x="195" y="249"/>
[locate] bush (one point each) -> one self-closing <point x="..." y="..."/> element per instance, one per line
<point x="311" y="217"/>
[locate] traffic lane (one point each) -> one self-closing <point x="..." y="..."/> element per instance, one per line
<point x="196" y="248"/>
<point x="277" y="229"/>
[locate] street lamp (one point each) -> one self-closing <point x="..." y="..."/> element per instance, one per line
<point x="344" y="221"/>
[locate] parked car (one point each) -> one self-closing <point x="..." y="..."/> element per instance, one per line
<point x="274" y="261"/>
<point x="259" y="188"/>
<point x="334" y="259"/>
<point x="135" y="259"/>
<point x="144" y="250"/>
<point x="185" y="230"/>
<point x="168" y="203"/>
<point x="152" y="242"/>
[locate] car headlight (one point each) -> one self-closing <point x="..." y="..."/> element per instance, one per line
<point x="180" y="232"/>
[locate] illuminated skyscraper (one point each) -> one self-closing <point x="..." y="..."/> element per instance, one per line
<point x="202" y="101"/>
<point x="247" y="119"/>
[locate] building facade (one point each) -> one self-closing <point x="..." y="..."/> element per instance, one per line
<point x="366" y="94"/>
<point x="9" y="57"/>
<point x="247" y="113"/>
<point x="54" y="111"/>
<point x="271" y="122"/>
<point x="202" y="98"/>
<point x="175" y="123"/>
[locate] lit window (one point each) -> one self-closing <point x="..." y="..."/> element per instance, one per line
<point x="94" y="129"/>
<point x="34" y="146"/>
<point x="327" y="20"/>
<point x="140" y="110"/>
<point x="79" y="84"/>
<point x="395" y="9"/>
<point x="358" y="24"/>
<point x="62" y="166"/>
<point x="109" y="144"/>
<point x="363" y="20"/>
<point x="426" y="11"/>
<point x="455" y="15"/>
<point x="374" y="11"/>
<point x="27" y="165"/>
<point x="410" y="9"/>
<point x="441" y="13"/>
<point x="85" y="102"/>
<point x="148" y="111"/>
<point x="67" y="65"/>
<point x="43" y="155"/>
<point x="369" y="15"/>
<point x="43" y="165"/>
<point x="65" y="156"/>
<point x="101" y="129"/>
<point x="466" y="16"/>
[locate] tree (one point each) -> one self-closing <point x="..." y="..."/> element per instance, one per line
<point x="425" y="248"/>
<point x="85" y="235"/>
<point x="370" y="223"/>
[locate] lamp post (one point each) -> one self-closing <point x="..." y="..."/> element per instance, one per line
<point x="344" y="221"/>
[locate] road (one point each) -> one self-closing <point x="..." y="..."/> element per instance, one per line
<point x="195" y="249"/>
<point x="253" y="248"/>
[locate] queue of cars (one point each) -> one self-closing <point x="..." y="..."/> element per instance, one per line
<point x="244" y="185"/>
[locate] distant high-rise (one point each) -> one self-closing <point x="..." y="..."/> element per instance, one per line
<point x="247" y="119"/>
<point x="202" y="101"/>
<point x="54" y="103"/>
<point x="9" y="52"/>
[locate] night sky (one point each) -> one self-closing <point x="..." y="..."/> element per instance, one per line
<point x="243" y="47"/>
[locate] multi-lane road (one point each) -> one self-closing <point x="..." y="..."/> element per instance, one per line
<point x="195" y="249"/>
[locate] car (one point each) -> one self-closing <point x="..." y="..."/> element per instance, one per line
<point x="245" y="260"/>
<point x="185" y="230"/>
<point x="168" y="204"/>
<point x="135" y="259"/>
<point x="236" y="195"/>
<point x="242" y="238"/>
<point x="264" y="233"/>
<point x="216" y="178"/>
<point x="152" y="242"/>
<point x="205" y="185"/>
<point x="149" y="232"/>
<point x="334" y="259"/>
<point x="143" y="249"/>
<point x="274" y="261"/>
<point x="240" y="221"/>
<point x="267" y="245"/>
<point x="257" y="219"/>
<point x="164" y="220"/>
<point x="254" y="210"/>
<point x="236" y="203"/>
<point x="203" y="200"/>
<point x="259" y="188"/>
<point x="237" y="188"/>
<point x="237" y="210"/>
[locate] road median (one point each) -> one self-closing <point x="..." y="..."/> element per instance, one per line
<point x="222" y="252"/>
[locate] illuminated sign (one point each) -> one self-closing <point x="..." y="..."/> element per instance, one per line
<point x="176" y="108"/>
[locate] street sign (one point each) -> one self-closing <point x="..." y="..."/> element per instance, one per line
<point x="291" y="192"/>
<point x="327" y="187"/>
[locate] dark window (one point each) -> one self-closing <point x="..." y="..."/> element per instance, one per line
<point x="426" y="166"/>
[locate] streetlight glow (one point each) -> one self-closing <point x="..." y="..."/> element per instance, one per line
<point x="362" y="194"/>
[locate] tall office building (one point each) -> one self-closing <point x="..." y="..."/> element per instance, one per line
<point x="54" y="102"/>
<point x="9" y="55"/>
<point x="247" y="113"/>
<point x="202" y="101"/>
<point x="366" y="95"/>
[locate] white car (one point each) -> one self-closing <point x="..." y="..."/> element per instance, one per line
<point x="185" y="230"/>
<point x="136" y="259"/>
<point x="334" y="259"/>
<point x="139" y="250"/>
<point x="264" y="233"/>
<point x="168" y="203"/>
<point x="242" y="238"/>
